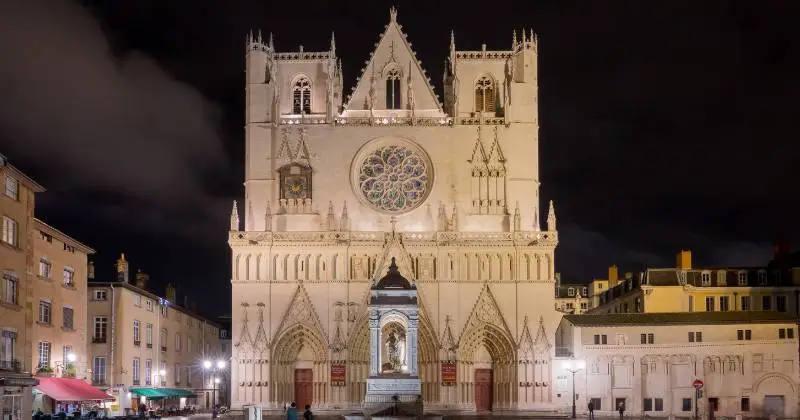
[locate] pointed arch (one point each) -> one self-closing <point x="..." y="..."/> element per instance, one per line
<point x="301" y="95"/>
<point x="394" y="97"/>
<point x="292" y="341"/>
<point x="485" y="94"/>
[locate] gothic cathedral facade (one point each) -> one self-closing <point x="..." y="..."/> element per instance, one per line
<point x="339" y="186"/>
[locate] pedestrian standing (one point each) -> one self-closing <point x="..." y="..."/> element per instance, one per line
<point x="591" y="410"/>
<point x="621" y="408"/>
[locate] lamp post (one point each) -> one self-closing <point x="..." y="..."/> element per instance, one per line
<point x="214" y="367"/>
<point x="161" y="374"/>
<point x="574" y="366"/>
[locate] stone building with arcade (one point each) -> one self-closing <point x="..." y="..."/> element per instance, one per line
<point x="341" y="190"/>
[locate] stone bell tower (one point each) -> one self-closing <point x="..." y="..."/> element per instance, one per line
<point x="393" y="326"/>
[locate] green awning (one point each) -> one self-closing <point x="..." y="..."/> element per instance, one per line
<point x="163" y="392"/>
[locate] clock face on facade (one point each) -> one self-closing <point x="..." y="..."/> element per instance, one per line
<point x="295" y="186"/>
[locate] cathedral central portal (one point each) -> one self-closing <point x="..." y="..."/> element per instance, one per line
<point x="409" y="264"/>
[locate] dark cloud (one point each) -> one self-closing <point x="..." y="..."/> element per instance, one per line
<point x="100" y="123"/>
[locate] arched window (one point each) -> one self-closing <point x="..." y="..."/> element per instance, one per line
<point x="484" y="95"/>
<point x="301" y="96"/>
<point x="393" y="89"/>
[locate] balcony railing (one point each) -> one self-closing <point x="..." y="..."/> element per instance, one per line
<point x="137" y="343"/>
<point x="101" y="339"/>
<point x="98" y="381"/>
<point x="136" y="382"/>
<point x="12" y="365"/>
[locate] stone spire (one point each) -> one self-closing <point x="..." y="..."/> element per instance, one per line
<point x="517" y="219"/>
<point x="331" y="220"/>
<point x="345" y="222"/>
<point x="393" y="14"/>
<point x="551" y="218"/>
<point x="536" y="227"/>
<point x="234" y="217"/>
<point x="268" y="218"/>
<point x="514" y="40"/>
<point x="333" y="45"/>
<point x="442" y="218"/>
<point x="250" y="217"/>
<point x="452" y="45"/>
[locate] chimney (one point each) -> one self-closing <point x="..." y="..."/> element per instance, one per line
<point x="90" y="271"/>
<point x="170" y="292"/>
<point x="122" y="269"/>
<point x="141" y="279"/>
<point x="613" y="274"/>
<point x="684" y="260"/>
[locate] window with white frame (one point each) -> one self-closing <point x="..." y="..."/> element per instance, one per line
<point x="148" y="304"/>
<point x="148" y="334"/>
<point x="10" y="234"/>
<point x="164" y="310"/>
<point x="45" y="268"/>
<point x="137" y="301"/>
<point x="570" y="291"/>
<point x="705" y="278"/>
<point x="742" y="278"/>
<point x="12" y="188"/>
<point x="66" y="350"/>
<point x="10" y="288"/>
<point x="44" y="354"/>
<point x="162" y="378"/>
<point x="135" y="371"/>
<point x="746" y="304"/>
<point x="177" y="341"/>
<point x="99" y="370"/>
<point x="710" y="303"/>
<point x="722" y="279"/>
<point x="148" y="372"/>
<point x="45" y="312"/>
<point x="8" y="342"/>
<point x="188" y="343"/>
<point x="69" y="277"/>
<point x="100" y="329"/>
<point x="177" y="373"/>
<point x="100" y="294"/>
<point x="137" y="338"/>
<point x="762" y="278"/>
<point x="162" y="339"/>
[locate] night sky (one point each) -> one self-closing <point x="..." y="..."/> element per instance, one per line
<point x="664" y="124"/>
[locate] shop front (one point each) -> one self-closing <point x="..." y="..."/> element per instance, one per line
<point x="68" y="395"/>
<point x="164" y="401"/>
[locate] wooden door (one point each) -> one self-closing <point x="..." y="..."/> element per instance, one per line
<point x="483" y="389"/>
<point x="303" y="388"/>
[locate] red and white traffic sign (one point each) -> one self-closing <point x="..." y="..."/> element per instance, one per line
<point x="697" y="384"/>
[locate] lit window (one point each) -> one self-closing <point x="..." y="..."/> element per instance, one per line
<point x="301" y="96"/>
<point x="706" y="279"/>
<point x="69" y="277"/>
<point x="10" y="235"/>
<point x="570" y="292"/>
<point x="45" y="312"/>
<point x="393" y="97"/>
<point x="45" y="268"/>
<point x="100" y="294"/>
<point x="484" y="95"/>
<point x="44" y="354"/>
<point x="742" y="275"/>
<point x="12" y="188"/>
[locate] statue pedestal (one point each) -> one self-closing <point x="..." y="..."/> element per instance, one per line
<point x="395" y="395"/>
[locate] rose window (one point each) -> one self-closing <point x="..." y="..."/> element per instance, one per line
<point x="393" y="179"/>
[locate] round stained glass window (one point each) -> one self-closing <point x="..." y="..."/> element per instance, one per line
<point x="392" y="178"/>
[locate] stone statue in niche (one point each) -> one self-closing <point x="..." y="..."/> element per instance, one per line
<point x="394" y="351"/>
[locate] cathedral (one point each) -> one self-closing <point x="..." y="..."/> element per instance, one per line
<point x="390" y="183"/>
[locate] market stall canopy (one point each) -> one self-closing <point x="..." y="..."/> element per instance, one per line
<point x="163" y="392"/>
<point x="67" y="389"/>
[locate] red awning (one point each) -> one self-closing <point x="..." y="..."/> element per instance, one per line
<point x="66" y="389"/>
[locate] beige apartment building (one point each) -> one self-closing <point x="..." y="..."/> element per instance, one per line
<point x="17" y="203"/>
<point x="145" y="346"/>
<point x="59" y="298"/>
<point x="746" y="364"/>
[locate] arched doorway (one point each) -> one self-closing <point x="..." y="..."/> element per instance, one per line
<point x="488" y="368"/>
<point x="301" y="360"/>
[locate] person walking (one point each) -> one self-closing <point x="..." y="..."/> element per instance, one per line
<point x="308" y="415"/>
<point x="621" y="409"/>
<point x="291" y="413"/>
<point x="591" y="410"/>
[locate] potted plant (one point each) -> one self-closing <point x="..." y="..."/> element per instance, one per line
<point x="69" y="370"/>
<point x="44" y="370"/>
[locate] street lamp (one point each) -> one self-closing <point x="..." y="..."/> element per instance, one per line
<point x="574" y="366"/>
<point x="161" y="374"/>
<point x="71" y="357"/>
<point x="214" y="367"/>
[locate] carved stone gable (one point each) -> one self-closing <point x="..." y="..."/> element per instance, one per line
<point x="485" y="311"/>
<point x="448" y="342"/>
<point x="390" y="61"/>
<point x="393" y="247"/>
<point x="301" y="311"/>
<point x="541" y="343"/>
<point x="245" y="341"/>
<point x="261" y="342"/>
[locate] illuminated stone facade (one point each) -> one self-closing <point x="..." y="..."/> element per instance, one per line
<point x="337" y="187"/>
